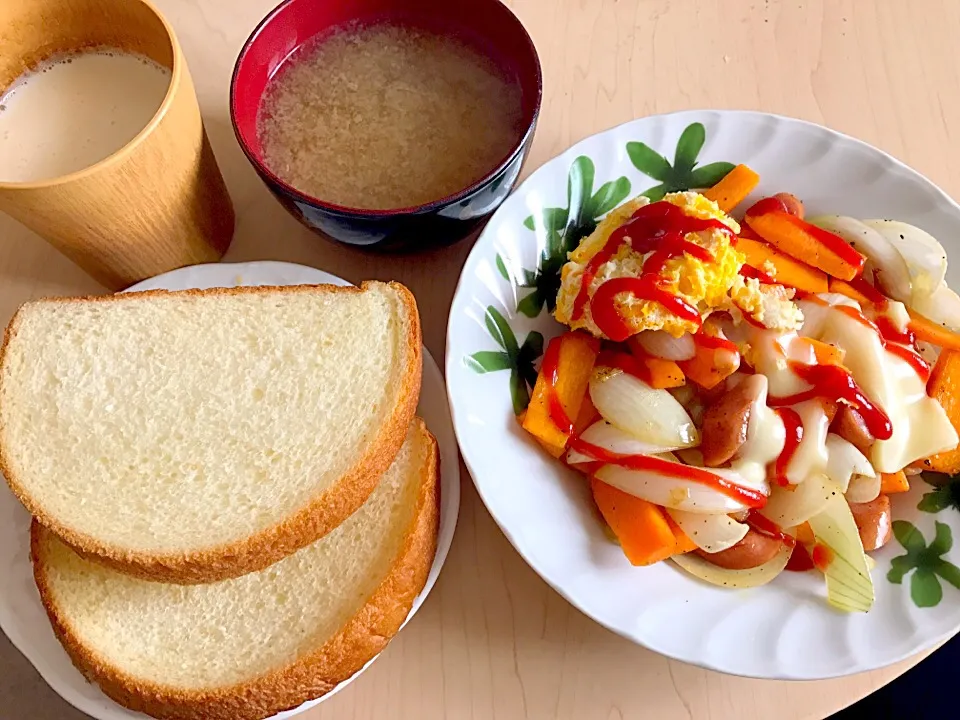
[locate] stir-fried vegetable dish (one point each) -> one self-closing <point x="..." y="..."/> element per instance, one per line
<point x="745" y="395"/>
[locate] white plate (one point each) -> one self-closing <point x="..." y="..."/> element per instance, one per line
<point x="782" y="630"/>
<point x="22" y="616"/>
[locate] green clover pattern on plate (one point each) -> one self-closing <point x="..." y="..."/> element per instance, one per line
<point x="563" y="228"/>
<point x="518" y="359"/>
<point x="684" y="173"/>
<point x="945" y="493"/>
<point x="926" y="562"/>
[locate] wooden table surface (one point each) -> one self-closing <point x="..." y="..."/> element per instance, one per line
<point x="493" y="641"/>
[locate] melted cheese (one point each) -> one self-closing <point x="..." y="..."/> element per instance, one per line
<point x="765" y="439"/>
<point x="810" y="457"/>
<point x="920" y="425"/>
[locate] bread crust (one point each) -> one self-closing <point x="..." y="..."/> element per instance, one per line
<point x="312" y="676"/>
<point x="324" y="513"/>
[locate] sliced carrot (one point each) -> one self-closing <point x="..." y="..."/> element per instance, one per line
<point x="733" y="188"/>
<point x="844" y="288"/>
<point x="641" y="527"/>
<point x="931" y="332"/>
<point x="577" y="354"/>
<point x="781" y="267"/>
<point x="710" y="366"/>
<point x="944" y="387"/>
<point x="555" y="450"/>
<point x="587" y="416"/>
<point x="658" y="373"/>
<point x="805" y="534"/>
<point x="770" y="219"/>
<point x="552" y="449"/>
<point x="664" y="374"/>
<point x="824" y="353"/>
<point x="891" y="483"/>
<point x="684" y="543"/>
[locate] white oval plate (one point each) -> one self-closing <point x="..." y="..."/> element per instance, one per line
<point x="782" y="630"/>
<point x="22" y="616"/>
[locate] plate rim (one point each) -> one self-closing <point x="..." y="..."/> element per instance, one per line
<point x="458" y="416"/>
<point x="102" y="707"/>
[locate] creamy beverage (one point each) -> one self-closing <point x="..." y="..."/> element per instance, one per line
<point x="74" y="110"/>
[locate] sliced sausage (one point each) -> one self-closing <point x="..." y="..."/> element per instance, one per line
<point x="726" y="420"/>
<point x="830" y="408"/>
<point x="875" y="522"/>
<point x="849" y="425"/>
<point x="793" y="204"/>
<point x="754" y="550"/>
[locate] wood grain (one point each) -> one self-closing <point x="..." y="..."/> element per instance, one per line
<point x="157" y="204"/>
<point x="493" y="641"/>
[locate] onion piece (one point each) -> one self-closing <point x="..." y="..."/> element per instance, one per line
<point x="611" y="438"/>
<point x="925" y="256"/>
<point x="863" y="488"/>
<point x="710" y="533"/>
<point x="943" y="307"/>
<point x="791" y="507"/>
<point x="691" y="456"/>
<point x="753" y="577"/>
<point x="662" y="344"/>
<point x="670" y="492"/>
<point x="849" y="586"/>
<point x="844" y="461"/>
<point x="885" y="264"/>
<point x="653" y="416"/>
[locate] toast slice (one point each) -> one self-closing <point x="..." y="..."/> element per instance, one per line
<point x="252" y="646"/>
<point x="193" y="436"/>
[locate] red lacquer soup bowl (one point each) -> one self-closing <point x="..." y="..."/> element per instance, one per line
<point x="486" y="25"/>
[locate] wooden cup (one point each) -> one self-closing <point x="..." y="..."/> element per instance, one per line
<point x="156" y="204"/>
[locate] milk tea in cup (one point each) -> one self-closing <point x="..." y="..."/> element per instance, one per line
<point x="74" y="110"/>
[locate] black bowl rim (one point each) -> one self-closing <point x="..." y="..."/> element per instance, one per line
<point x="360" y="213"/>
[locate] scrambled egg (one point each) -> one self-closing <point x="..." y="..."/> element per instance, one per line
<point x="708" y="286"/>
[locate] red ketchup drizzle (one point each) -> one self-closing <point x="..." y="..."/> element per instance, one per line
<point x="714" y="342"/>
<point x="767" y="527"/>
<point x="902" y="343"/>
<point x="670" y="246"/>
<point x="822" y="557"/>
<point x="794" y="434"/>
<point x="767" y="205"/>
<point x="609" y="319"/>
<point x="549" y="369"/>
<point x="751" y="498"/>
<point x="868" y="291"/>
<point x="748" y="271"/>
<point x="920" y="366"/>
<point x="800" y="559"/>
<point x="660" y="228"/>
<point x="803" y="558"/>
<point x="889" y="331"/>
<point x="832" y="382"/>
<point x="889" y="339"/>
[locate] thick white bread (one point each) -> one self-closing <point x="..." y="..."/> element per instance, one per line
<point x="252" y="646"/>
<point x="195" y="436"/>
